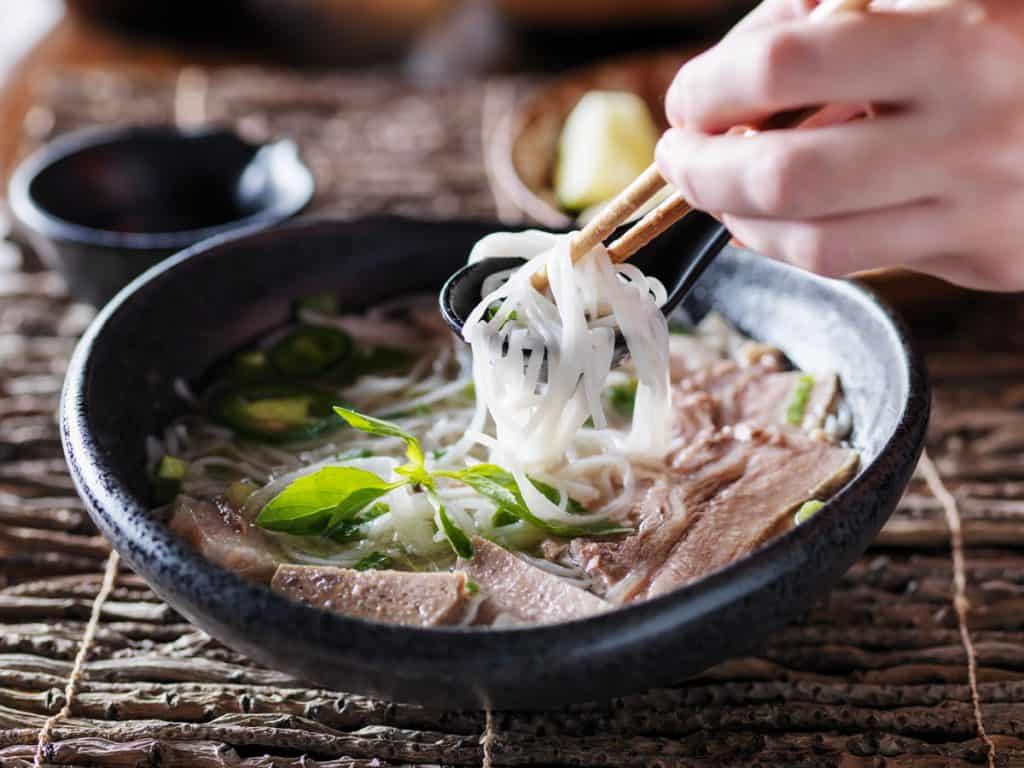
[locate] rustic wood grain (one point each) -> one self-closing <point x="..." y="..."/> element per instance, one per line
<point x="874" y="675"/>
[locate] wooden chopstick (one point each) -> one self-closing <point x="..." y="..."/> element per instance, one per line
<point x="650" y="182"/>
<point x="668" y="212"/>
<point x="619" y="209"/>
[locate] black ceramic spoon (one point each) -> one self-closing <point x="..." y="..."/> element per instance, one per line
<point x="677" y="257"/>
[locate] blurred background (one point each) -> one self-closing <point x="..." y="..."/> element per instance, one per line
<point x="474" y="94"/>
<point x="432" y="41"/>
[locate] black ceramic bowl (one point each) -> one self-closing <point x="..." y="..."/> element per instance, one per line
<point x="188" y="312"/>
<point x="104" y="205"/>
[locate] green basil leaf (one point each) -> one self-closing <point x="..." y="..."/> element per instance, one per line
<point x="374" y="561"/>
<point x="355" y="503"/>
<point x="314" y="503"/>
<point x="456" y="536"/>
<point x="385" y="428"/>
<point x="503" y="517"/>
<point x="499" y="485"/>
<point x="350" y="529"/>
<point x="573" y="507"/>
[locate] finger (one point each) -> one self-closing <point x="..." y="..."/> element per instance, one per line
<point x="844" y="245"/>
<point x="839" y="169"/>
<point x="774" y="12"/>
<point x="835" y="114"/>
<point x="884" y="57"/>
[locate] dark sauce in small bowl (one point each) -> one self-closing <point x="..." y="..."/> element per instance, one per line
<point x="102" y="206"/>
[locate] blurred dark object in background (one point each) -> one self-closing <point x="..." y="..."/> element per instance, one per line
<point x="307" y="32"/>
<point x="177" y="20"/>
<point x="609" y="13"/>
<point x="325" y="32"/>
<point x="515" y="36"/>
<point x="455" y="36"/>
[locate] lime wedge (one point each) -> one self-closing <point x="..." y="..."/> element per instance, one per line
<point x="607" y="141"/>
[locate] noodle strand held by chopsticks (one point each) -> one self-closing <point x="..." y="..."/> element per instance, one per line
<point x="540" y="361"/>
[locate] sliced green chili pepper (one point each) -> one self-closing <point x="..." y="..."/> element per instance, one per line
<point x="309" y="350"/>
<point x="276" y="414"/>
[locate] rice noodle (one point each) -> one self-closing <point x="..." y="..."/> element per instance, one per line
<point x="570" y="337"/>
<point x="541" y="364"/>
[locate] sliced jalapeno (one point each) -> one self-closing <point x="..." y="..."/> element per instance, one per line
<point x="309" y="350"/>
<point x="276" y="414"/>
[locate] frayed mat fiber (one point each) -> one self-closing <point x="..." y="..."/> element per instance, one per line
<point x="960" y="603"/>
<point x="78" y="669"/>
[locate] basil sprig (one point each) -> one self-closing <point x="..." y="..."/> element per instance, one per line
<point x="335" y="501"/>
<point x="499" y="485"/>
<point x="322" y="502"/>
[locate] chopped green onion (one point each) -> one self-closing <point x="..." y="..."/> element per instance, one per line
<point x="494" y="309"/>
<point x="472" y="587"/>
<point x="807" y="510"/>
<point x="171" y="468"/>
<point x="622" y="397"/>
<point x="167" y="479"/>
<point x="438" y="454"/>
<point x="798" y="400"/>
<point x="679" y="328"/>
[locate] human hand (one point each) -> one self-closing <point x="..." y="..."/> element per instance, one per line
<point x="934" y="182"/>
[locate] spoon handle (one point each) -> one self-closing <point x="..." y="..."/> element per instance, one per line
<point x="707" y="237"/>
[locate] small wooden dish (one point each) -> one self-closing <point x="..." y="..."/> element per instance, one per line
<point x="523" y="149"/>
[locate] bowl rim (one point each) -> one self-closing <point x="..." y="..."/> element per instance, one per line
<point x="112" y="505"/>
<point x="31" y="213"/>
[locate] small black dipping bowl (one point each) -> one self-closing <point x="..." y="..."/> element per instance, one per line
<point x="191" y="310"/>
<point x="103" y="205"/>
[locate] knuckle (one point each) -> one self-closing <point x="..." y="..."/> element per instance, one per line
<point x="781" y="182"/>
<point x="813" y="247"/>
<point x="783" y="56"/>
